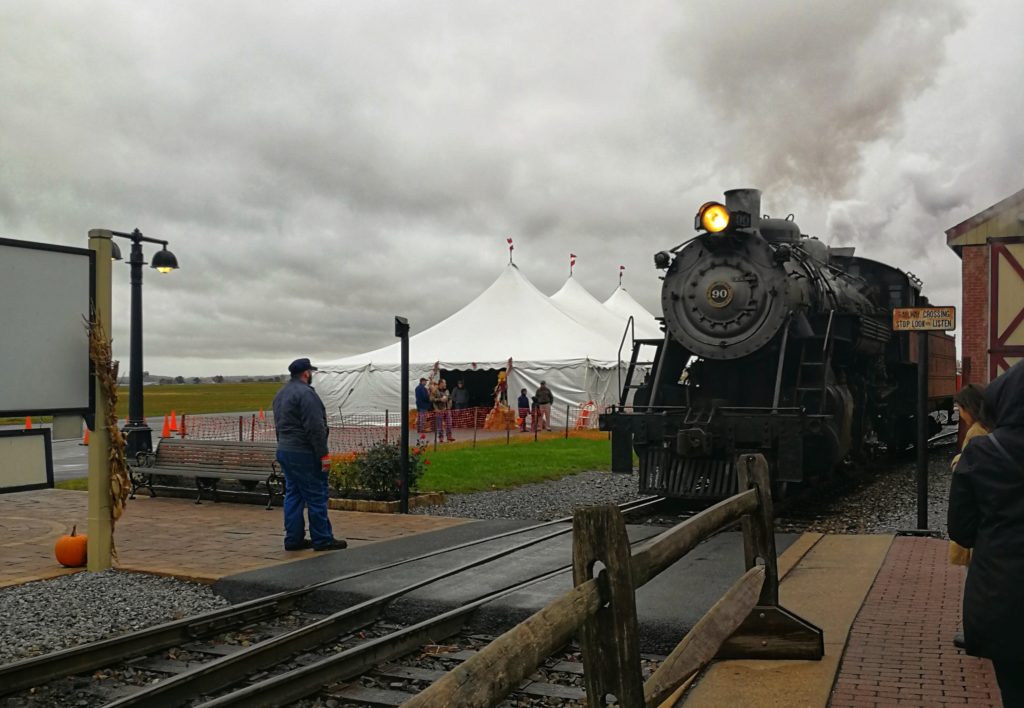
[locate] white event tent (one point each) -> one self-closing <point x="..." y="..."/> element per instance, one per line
<point x="624" y="305"/>
<point x="510" y="320"/>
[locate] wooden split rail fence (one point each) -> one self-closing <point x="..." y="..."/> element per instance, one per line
<point x="746" y="623"/>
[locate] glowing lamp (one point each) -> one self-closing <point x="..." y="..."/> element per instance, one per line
<point x="713" y="217"/>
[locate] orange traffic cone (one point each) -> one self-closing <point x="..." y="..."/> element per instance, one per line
<point x="174" y="422"/>
<point x="85" y="438"/>
<point x="167" y="429"/>
<point x="261" y="414"/>
<point x="28" y="423"/>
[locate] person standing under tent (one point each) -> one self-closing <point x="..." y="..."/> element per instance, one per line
<point x="442" y="400"/>
<point x="544" y="401"/>
<point x="460" y="402"/>
<point x="524" y="410"/>
<point x="423" y="407"/>
<point x="460" y="396"/>
<point x="300" y="423"/>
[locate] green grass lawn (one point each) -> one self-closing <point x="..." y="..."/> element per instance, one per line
<point x="457" y="468"/>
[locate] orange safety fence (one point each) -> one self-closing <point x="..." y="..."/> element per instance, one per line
<point x="359" y="431"/>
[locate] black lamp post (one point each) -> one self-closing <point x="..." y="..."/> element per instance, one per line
<point x="138" y="435"/>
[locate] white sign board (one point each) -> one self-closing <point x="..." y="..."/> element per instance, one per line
<point x="45" y="291"/>
<point x="26" y="460"/>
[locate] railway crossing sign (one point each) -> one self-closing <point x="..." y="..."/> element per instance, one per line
<point x="923" y="319"/>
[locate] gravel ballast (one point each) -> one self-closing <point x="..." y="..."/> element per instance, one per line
<point x="48" y="615"/>
<point x="553" y="499"/>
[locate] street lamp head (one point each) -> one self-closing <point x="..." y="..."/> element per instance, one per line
<point x="115" y="251"/>
<point x="164" y="261"/>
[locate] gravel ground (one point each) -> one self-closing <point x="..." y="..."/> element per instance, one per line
<point x="48" y="615"/>
<point x="881" y="499"/>
<point x="546" y="500"/>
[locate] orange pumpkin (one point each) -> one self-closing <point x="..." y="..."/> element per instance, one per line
<point x="71" y="550"/>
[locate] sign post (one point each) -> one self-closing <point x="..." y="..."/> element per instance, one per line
<point x="923" y="320"/>
<point x="402" y="332"/>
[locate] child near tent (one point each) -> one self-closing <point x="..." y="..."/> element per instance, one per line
<point x="524" y="410"/>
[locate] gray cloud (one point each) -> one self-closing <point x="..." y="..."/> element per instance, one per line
<point x="324" y="166"/>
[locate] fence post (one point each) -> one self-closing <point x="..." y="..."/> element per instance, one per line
<point x="769" y="631"/>
<point x="241" y="434"/>
<point x="181" y="433"/>
<point x="609" y="639"/>
<point x="759" y="530"/>
<point x="566" y="421"/>
<point x="475" y="410"/>
<point x="252" y="429"/>
<point x="386" y="425"/>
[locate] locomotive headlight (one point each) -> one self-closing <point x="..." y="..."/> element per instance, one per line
<point x="713" y="217"/>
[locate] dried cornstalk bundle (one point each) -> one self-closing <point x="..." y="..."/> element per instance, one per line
<point x="106" y="373"/>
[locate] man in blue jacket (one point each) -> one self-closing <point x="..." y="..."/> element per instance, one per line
<point x="301" y="425"/>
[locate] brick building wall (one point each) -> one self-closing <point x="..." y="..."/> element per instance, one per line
<point x="974" y="314"/>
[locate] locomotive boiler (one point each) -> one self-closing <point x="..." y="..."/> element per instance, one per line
<point x="774" y="343"/>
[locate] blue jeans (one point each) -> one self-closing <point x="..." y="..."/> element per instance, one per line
<point x="305" y="487"/>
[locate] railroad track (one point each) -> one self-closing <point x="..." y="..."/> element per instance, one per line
<point x="261" y="634"/>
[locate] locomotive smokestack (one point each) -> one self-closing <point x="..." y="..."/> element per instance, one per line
<point x="748" y="200"/>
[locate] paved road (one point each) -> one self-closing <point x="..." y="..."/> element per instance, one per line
<point x="71" y="458"/>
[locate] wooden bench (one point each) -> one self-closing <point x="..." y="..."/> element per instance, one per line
<point x="209" y="461"/>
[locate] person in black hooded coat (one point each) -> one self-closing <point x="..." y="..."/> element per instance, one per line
<point x="986" y="513"/>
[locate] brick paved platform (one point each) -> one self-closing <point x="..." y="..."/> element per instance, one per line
<point x="174" y="536"/>
<point x="900" y="651"/>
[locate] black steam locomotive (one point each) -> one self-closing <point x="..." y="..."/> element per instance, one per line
<point x="774" y="343"/>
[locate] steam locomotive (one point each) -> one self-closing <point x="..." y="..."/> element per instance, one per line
<point x="774" y="343"/>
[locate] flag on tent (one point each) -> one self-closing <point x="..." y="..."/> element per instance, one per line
<point x="572" y="262"/>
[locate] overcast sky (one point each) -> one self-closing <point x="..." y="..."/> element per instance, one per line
<point x="321" y="166"/>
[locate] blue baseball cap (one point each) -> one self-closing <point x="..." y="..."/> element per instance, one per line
<point x="300" y="365"/>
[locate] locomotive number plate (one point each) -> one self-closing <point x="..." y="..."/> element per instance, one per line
<point x="719" y="294"/>
<point x="909" y="319"/>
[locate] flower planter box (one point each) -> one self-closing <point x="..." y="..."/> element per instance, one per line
<point x="385" y="507"/>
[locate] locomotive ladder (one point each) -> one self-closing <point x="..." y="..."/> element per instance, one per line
<point x="817" y="368"/>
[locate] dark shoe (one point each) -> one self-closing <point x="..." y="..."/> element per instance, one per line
<point x="306" y="543"/>
<point x="335" y="545"/>
<point x="958" y="640"/>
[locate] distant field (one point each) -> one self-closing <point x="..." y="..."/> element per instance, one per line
<point x="201" y="398"/>
<point x="190" y="398"/>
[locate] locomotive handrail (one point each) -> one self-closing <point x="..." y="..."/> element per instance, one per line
<point x="746" y="622"/>
<point x="629" y="326"/>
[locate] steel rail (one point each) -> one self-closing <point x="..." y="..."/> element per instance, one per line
<point x="298" y="683"/>
<point x="34" y="671"/>
<point x="227" y="669"/>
